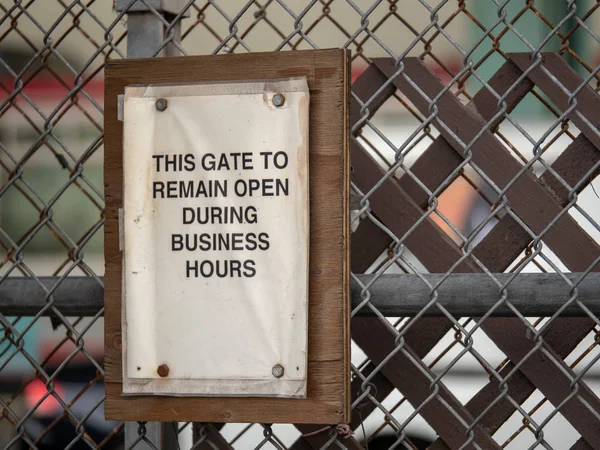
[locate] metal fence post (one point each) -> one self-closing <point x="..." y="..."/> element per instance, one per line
<point x="161" y="435"/>
<point x="146" y="33"/>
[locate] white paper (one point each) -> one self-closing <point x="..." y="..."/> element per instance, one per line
<point x="220" y="331"/>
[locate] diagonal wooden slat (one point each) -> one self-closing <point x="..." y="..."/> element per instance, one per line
<point x="581" y="444"/>
<point x="527" y="197"/>
<point x="525" y="193"/>
<point x="435" y="165"/>
<point x="553" y="383"/>
<point x="485" y="105"/>
<point x="442" y="251"/>
<point x="363" y="256"/>
<point x="503" y="245"/>
<point x="508" y="239"/>
<point x="504" y="242"/>
<point x="508" y="82"/>
<point x="497" y="250"/>
<point x="213" y="440"/>
<point x="588" y="101"/>
<point x="437" y="162"/>
<point x="409" y="379"/>
<point x="578" y="161"/>
<point x="504" y="79"/>
<point x="427" y="240"/>
<point x="563" y="337"/>
<point x="365" y="87"/>
<point x="526" y="239"/>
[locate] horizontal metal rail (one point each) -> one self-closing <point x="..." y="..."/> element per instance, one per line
<point x="474" y="295"/>
<point x="394" y="295"/>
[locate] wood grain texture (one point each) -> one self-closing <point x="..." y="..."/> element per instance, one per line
<point x="327" y="73"/>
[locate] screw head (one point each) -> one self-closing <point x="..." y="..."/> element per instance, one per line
<point x="161" y="104"/>
<point x="163" y="370"/>
<point x="278" y="100"/>
<point x="277" y="371"/>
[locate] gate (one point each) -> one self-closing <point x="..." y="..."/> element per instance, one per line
<point x="475" y="248"/>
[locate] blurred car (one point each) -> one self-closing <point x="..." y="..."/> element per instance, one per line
<point x="82" y="390"/>
<point x="78" y="384"/>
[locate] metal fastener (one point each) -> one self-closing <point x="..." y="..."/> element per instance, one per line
<point x="278" y="100"/>
<point x="161" y="104"/>
<point x="277" y="371"/>
<point x="163" y="370"/>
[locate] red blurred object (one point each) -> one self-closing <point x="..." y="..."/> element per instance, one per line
<point x="36" y="390"/>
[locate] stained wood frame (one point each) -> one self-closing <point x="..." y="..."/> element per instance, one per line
<point x="328" y="76"/>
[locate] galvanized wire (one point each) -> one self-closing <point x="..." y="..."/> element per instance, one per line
<point x="464" y="45"/>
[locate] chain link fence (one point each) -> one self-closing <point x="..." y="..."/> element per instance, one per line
<point x="475" y="246"/>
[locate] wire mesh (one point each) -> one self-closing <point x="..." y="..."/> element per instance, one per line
<point x="481" y="119"/>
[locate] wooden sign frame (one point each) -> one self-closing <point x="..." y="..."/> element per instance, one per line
<point x="328" y="396"/>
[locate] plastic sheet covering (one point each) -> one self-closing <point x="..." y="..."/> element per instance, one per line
<point x="215" y="239"/>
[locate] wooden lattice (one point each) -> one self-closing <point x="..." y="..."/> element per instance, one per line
<point x="399" y="204"/>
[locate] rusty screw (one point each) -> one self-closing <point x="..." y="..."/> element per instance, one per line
<point x="163" y="370"/>
<point x="161" y="104"/>
<point x="277" y="371"/>
<point x="278" y="100"/>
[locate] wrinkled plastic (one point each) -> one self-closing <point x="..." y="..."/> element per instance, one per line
<point x="218" y="335"/>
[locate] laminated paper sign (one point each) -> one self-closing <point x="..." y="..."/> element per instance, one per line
<point x="215" y="239"/>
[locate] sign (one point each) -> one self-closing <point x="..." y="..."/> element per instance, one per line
<point x="227" y="238"/>
<point x="216" y="238"/>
